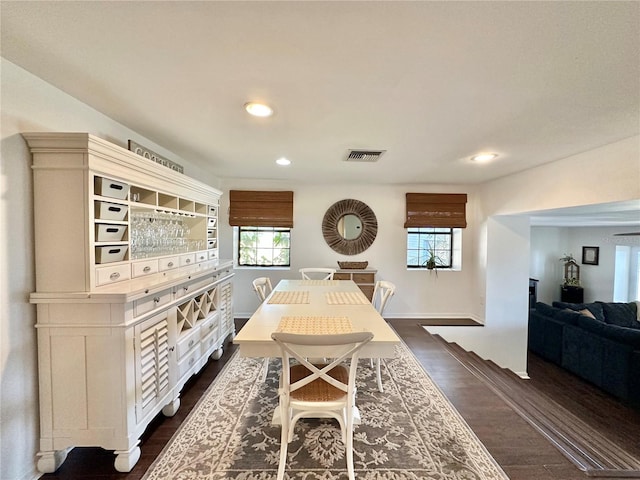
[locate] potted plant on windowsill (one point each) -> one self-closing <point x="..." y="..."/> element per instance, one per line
<point x="433" y="261"/>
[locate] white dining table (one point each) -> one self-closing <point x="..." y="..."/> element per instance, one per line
<point x="309" y="303"/>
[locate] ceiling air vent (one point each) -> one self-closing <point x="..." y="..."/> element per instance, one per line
<point x="364" y="155"/>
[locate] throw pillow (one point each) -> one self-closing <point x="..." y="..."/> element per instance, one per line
<point x="587" y="312"/>
<point x="595" y="308"/>
<point x="621" y="314"/>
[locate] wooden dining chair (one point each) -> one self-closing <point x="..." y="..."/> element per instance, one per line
<point x="309" y="390"/>
<point x="262" y="287"/>
<point x="382" y="293"/>
<point x="317" y="273"/>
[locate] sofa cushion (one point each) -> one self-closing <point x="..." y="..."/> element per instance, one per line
<point x="544" y="309"/>
<point x="567" y="316"/>
<point x="595" y="308"/>
<point x="626" y="336"/>
<point x="621" y="314"/>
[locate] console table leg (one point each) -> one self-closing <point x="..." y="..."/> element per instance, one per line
<point x="49" y="462"/>
<point x="125" y="460"/>
<point x="217" y="354"/>
<point x="170" y="409"/>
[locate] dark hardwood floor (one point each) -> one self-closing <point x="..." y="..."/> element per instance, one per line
<point x="523" y="453"/>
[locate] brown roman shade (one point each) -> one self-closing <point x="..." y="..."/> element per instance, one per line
<point x="249" y="208"/>
<point x="436" y="210"/>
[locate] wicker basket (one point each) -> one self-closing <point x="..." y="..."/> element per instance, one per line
<point x="353" y="265"/>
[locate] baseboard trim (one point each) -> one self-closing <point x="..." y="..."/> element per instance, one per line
<point x="449" y="322"/>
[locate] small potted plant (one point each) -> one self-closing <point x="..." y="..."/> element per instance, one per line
<point x="433" y="261"/>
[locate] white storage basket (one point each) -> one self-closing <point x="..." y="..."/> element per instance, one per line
<point x="110" y="188"/>
<point x="111" y="253"/>
<point x="109" y="233"/>
<point x="111" y="211"/>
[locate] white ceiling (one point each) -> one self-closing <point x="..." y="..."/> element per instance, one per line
<point x="430" y="82"/>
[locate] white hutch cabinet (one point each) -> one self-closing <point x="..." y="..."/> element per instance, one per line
<point x="131" y="296"/>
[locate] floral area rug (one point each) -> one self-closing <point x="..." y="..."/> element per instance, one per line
<point x="409" y="432"/>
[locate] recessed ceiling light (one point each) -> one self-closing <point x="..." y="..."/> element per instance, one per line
<point x="484" y="157"/>
<point x="283" y="161"/>
<point x="258" y="109"/>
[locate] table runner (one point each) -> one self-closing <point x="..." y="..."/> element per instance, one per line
<point x="289" y="297"/>
<point x="312" y="325"/>
<point x="319" y="283"/>
<point x="346" y="298"/>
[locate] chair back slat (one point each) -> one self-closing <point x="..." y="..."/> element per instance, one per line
<point x="262" y="287"/>
<point x="382" y="293"/>
<point x="317" y="273"/>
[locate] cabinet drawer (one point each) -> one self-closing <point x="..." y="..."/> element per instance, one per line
<point x="211" y="222"/>
<point x="168" y="263"/>
<point x="188" y="259"/>
<point x="110" y="211"/>
<point x="146" y="304"/>
<point x="110" y="188"/>
<point x="188" y="363"/>
<point x="209" y="326"/>
<point x="342" y="276"/>
<point x="363" y="277"/>
<point x="147" y="267"/>
<point x="209" y="343"/>
<point x="187" y="342"/>
<point x="106" y="275"/>
<point x="202" y="256"/>
<point x="213" y="254"/>
<point x="367" y="290"/>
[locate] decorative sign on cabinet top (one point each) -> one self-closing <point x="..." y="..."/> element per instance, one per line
<point x="151" y="155"/>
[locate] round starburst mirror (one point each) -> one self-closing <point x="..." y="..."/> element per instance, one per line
<point x="349" y="227"/>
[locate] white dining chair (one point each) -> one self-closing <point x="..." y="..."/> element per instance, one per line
<point x="262" y="287"/>
<point x="382" y="293"/>
<point x="317" y="273"/>
<point x="308" y="390"/>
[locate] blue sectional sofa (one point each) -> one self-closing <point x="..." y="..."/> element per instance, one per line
<point x="599" y="342"/>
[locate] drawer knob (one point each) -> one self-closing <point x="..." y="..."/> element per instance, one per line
<point x="170" y="264"/>
<point x="114" y="276"/>
<point x="191" y="360"/>
<point x="146" y="269"/>
<point x="191" y="343"/>
<point x="185" y="288"/>
<point x="156" y="299"/>
<point x="188" y="260"/>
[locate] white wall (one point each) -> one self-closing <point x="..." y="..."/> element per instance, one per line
<point x="28" y="104"/>
<point x="548" y="244"/>
<point x="419" y="294"/>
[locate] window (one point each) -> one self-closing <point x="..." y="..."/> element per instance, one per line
<point x="424" y="242"/>
<point x="264" y="246"/>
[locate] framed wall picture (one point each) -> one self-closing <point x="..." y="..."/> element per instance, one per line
<point x="590" y="255"/>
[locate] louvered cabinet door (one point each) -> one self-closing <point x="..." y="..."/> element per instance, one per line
<point x="152" y="363"/>
<point x="226" y="309"/>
